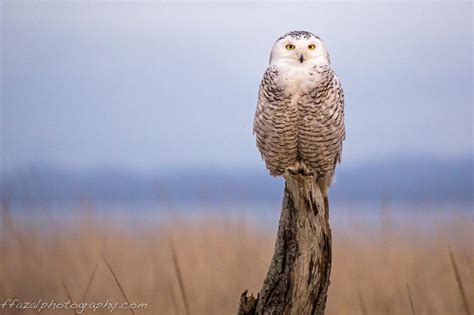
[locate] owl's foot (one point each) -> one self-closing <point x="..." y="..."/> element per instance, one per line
<point x="300" y="168"/>
<point x="295" y="168"/>
<point x="306" y="170"/>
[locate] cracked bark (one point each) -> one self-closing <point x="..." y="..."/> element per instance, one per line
<point x="298" y="277"/>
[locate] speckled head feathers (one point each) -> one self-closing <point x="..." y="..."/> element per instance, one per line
<point x="298" y="35"/>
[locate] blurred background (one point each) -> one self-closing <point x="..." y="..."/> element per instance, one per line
<point x="138" y="115"/>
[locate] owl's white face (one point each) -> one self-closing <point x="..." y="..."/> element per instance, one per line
<point x="299" y="49"/>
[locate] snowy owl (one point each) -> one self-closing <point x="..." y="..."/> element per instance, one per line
<point x="299" y="121"/>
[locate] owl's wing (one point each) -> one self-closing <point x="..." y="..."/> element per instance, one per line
<point x="322" y="130"/>
<point x="338" y="116"/>
<point x="335" y="113"/>
<point x="273" y="127"/>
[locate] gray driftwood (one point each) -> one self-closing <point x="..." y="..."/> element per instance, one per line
<point x="298" y="278"/>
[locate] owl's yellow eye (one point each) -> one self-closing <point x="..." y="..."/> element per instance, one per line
<point x="290" y="46"/>
<point x="311" y="46"/>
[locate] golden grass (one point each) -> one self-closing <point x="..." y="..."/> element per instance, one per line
<point x="211" y="260"/>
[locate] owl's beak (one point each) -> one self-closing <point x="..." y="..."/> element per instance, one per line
<point x="301" y="58"/>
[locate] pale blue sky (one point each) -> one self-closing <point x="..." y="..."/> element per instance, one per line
<point x="152" y="86"/>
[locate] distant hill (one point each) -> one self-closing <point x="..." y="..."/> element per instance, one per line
<point x="398" y="180"/>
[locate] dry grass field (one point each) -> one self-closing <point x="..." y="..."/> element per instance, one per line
<point x="204" y="264"/>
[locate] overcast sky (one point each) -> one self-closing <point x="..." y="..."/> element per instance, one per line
<point x="156" y="86"/>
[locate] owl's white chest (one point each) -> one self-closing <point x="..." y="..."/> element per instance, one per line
<point x="299" y="81"/>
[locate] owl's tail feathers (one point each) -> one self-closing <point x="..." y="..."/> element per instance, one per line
<point x="324" y="183"/>
<point x="326" y="203"/>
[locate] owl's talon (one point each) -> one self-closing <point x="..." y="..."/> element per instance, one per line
<point x="300" y="168"/>
<point x="307" y="172"/>
<point x="295" y="170"/>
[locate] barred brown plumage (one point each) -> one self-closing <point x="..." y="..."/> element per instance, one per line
<point x="299" y="120"/>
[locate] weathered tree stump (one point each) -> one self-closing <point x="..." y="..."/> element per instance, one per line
<point x="298" y="278"/>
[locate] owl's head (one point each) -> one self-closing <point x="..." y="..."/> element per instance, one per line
<point x="299" y="48"/>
